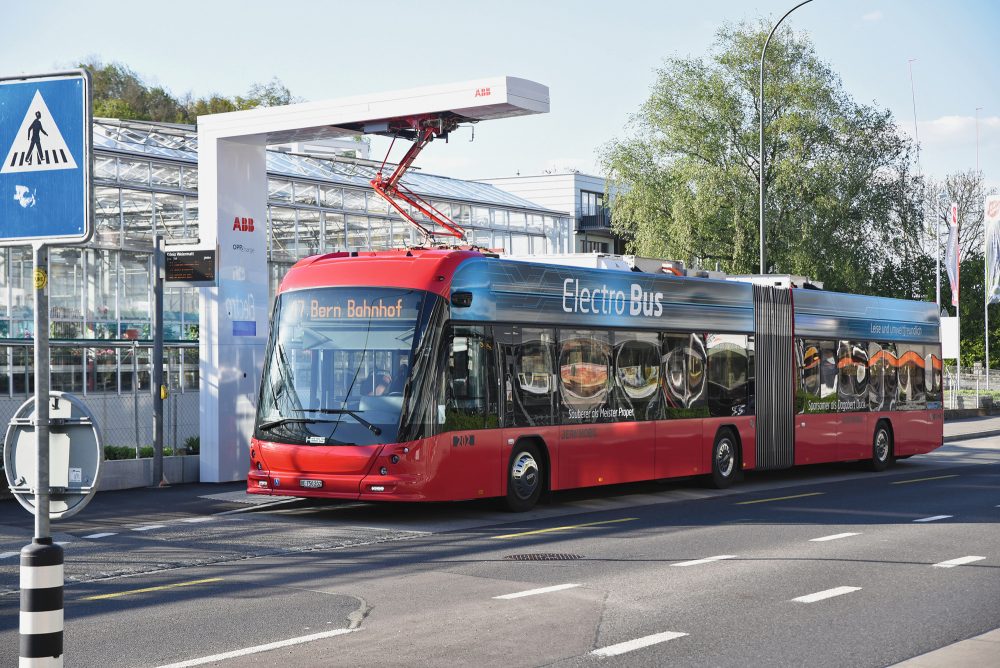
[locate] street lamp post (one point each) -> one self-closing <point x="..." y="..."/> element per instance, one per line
<point x="942" y="197"/>
<point x="763" y="255"/>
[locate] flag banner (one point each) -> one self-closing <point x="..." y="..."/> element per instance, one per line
<point x="991" y="228"/>
<point x="952" y="255"/>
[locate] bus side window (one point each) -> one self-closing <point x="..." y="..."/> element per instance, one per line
<point x="528" y="374"/>
<point x="852" y="365"/>
<point x="727" y="374"/>
<point x="467" y="395"/>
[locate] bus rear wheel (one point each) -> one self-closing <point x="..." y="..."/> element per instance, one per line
<point x="725" y="460"/>
<point x="525" y="476"/>
<point x="881" y="448"/>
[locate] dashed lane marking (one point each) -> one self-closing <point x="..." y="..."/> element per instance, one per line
<point x="706" y="560"/>
<point x="961" y="561"/>
<point x="259" y="648"/>
<point x="195" y="520"/>
<point x="828" y="593"/>
<point x="533" y="592"/>
<point x="94" y="536"/>
<point x="935" y="518"/>
<point x="145" y="590"/>
<point x="836" y="536"/>
<point x="638" y="643"/>
<point x="149" y="527"/>
<point x="779" y="498"/>
<point x="565" y="528"/>
<point x="8" y="555"/>
<point x="937" y="477"/>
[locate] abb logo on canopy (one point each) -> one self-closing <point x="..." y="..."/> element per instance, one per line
<point x="242" y="224"/>
<point x="483" y="92"/>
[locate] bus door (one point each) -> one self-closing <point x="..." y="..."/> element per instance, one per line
<point x="855" y="433"/>
<point x="679" y="442"/>
<point x="529" y="391"/>
<point x="468" y="448"/>
<point x="601" y="440"/>
<point x="817" y="424"/>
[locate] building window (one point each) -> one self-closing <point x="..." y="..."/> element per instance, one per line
<point x="588" y="246"/>
<point x="593" y="212"/>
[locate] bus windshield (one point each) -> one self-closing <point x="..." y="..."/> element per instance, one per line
<point x="338" y="365"/>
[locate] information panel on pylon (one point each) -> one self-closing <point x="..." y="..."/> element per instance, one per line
<point x="45" y="144"/>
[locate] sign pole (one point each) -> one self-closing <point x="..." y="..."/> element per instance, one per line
<point x="41" y="616"/>
<point x="41" y="280"/>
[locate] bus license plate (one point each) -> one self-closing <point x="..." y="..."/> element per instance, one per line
<point x="311" y="484"/>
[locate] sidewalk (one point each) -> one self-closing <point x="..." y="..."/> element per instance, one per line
<point x="975" y="427"/>
<point x="979" y="652"/>
<point x="982" y="651"/>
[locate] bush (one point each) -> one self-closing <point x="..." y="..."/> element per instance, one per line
<point x="146" y="452"/>
<point x="118" y="452"/>
<point x="125" y="452"/>
<point x="192" y="444"/>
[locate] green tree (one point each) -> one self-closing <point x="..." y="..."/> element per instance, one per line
<point x="842" y="202"/>
<point x="121" y="93"/>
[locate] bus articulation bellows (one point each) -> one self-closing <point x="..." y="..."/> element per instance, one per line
<point x="434" y="375"/>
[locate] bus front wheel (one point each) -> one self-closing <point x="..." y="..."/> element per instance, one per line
<point x="725" y="460"/>
<point x="525" y="476"/>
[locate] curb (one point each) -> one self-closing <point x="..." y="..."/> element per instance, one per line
<point x="977" y="434"/>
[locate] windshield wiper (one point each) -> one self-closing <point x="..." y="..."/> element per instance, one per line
<point x="271" y="424"/>
<point x="343" y="411"/>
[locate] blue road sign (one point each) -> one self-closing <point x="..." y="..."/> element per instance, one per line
<point x="45" y="146"/>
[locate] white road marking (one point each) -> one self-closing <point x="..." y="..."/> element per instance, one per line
<point x="8" y="555"/>
<point x="193" y="520"/>
<point x="961" y="561"/>
<point x="258" y="649"/>
<point x="829" y="593"/>
<point x="935" y="518"/>
<point x="60" y="543"/>
<point x="149" y="527"/>
<point x="836" y="536"/>
<point x="99" y="535"/>
<point x="638" y="643"/>
<point x="532" y="592"/>
<point x="706" y="560"/>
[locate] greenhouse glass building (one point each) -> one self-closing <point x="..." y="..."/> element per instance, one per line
<point x="146" y="181"/>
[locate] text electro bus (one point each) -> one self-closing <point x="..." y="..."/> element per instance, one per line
<point x="432" y="375"/>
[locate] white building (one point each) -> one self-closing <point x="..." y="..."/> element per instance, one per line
<point x="581" y="196"/>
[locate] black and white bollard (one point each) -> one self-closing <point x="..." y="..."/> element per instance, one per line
<point x="41" y="605"/>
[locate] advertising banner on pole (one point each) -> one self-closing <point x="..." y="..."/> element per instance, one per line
<point x="991" y="229"/>
<point x="952" y="256"/>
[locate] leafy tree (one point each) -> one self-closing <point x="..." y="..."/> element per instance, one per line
<point x="842" y="202"/>
<point x="121" y="93"/>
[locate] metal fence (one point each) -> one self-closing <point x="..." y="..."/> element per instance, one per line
<point x="113" y="378"/>
<point x="969" y="390"/>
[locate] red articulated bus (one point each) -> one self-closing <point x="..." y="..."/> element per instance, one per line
<point x="433" y="375"/>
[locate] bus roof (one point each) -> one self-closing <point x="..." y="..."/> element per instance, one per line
<point x="509" y="290"/>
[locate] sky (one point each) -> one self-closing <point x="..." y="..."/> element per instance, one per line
<point x="597" y="58"/>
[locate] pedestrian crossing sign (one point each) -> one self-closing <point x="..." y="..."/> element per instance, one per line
<point x="45" y="144"/>
<point x="38" y="145"/>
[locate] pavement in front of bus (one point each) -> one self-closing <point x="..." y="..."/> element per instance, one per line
<point x="209" y="534"/>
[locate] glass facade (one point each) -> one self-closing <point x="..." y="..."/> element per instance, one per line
<point x="146" y="182"/>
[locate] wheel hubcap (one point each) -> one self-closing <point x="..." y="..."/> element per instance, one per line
<point x="882" y="445"/>
<point x="724" y="459"/>
<point x="524" y="475"/>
